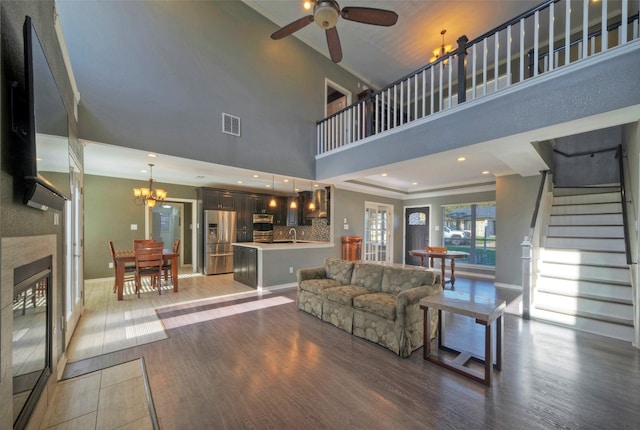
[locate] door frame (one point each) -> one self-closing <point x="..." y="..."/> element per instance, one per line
<point x="329" y="83"/>
<point x="390" y="221"/>
<point x="74" y="249"/>
<point x="194" y="227"/>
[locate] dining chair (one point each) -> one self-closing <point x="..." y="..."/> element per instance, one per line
<point x="166" y="267"/>
<point x="129" y="269"/>
<point x="436" y="249"/>
<point x="149" y="263"/>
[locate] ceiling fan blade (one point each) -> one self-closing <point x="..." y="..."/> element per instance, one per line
<point x="333" y="41"/>
<point x="292" y="27"/>
<point x="369" y="15"/>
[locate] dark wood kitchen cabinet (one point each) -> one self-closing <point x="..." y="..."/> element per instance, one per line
<point x="244" y="206"/>
<point x="292" y="213"/>
<point x="279" y="212"/>
<point x="245" y="265"/>
<point x="214" y="199"/>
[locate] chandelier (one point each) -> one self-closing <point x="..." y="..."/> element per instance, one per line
<point x="149" y="196"/>
<point x="442" y="50"/>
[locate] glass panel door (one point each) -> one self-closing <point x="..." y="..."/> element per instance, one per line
<point x="378" y="219"/>
<point x="74" y="282"/>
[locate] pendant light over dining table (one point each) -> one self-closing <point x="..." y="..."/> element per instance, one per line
<point x="149" y="196"/>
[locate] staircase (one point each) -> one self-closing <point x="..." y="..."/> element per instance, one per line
<point x="583" y="279"/>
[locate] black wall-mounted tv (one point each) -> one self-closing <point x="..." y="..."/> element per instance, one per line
<point x="45" y="156"/>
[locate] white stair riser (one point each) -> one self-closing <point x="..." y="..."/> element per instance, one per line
<point x="604" y="208"/>
<point x="568" y="287"/>
<point x="588" y="219"/>
<point x="602" y="328"/>
<point x="575" y="305"/>
<point x="585" y="231"/>
<point x="590" y="244"/>
<point x="584" y="272"/>
<point x="587" y="198"/>
<point x="572" y="256"/>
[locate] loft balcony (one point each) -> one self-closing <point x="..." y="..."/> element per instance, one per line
<point x="553" y="40"/>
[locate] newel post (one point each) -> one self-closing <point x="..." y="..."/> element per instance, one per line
<point x="462" y="75"/>
<point x="527" y="292"/>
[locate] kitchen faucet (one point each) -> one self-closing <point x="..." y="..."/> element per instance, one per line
<point x="294" y="234"/>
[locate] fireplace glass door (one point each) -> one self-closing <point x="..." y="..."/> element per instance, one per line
<point x="31" y="336"/>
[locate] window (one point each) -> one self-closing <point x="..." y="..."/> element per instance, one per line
<point x="471" y="227"/>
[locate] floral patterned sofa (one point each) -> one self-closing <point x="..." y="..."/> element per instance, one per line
<point x="373" y="301"/>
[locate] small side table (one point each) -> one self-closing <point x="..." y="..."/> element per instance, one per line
<point x="486" y="311"/>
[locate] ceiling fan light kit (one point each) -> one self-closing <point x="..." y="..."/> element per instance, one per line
<point x="326" y="14"/>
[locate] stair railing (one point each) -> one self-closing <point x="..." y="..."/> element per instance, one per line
<point x="530" y="246"/>
<point x="623" y="200"/>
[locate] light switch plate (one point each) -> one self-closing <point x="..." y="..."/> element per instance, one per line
<point x="134" y="226"/>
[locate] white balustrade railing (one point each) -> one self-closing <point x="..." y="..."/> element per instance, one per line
<point x="555" y="34"/>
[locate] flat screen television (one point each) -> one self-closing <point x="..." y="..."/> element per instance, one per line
<point x="45" y="160"/>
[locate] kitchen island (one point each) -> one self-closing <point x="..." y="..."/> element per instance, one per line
<point x="274" y="265"/>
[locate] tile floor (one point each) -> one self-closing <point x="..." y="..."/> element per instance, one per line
<point x="116" y="397"/>
<point x="89" y="401"/>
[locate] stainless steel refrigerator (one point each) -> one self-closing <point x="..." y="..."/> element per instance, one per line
<point x="219" y="232"/>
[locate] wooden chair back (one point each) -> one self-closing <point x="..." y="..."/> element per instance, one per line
<point x="438" y="249"/>
<point x="148" y="258"/>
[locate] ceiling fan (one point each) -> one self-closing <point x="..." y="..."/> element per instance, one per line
<point x="326" y="14"/>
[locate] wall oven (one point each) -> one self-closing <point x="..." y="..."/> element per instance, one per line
<point x="263" y="228"/>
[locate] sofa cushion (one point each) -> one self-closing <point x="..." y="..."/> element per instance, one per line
<point x="381" y="304"/>
<point x="344" y="294"/>
<point x="340" y="270"/>
<point x="316" y="286"/>
<point x="368" y="275"/>
<point x="396" y="280"/>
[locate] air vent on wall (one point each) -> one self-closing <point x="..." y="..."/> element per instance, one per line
<point x="230" y="124"/>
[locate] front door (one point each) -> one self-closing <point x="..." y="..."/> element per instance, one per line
<point x="416" y="222"/>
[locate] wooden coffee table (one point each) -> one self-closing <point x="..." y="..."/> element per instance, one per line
<point x="486" y="311"/>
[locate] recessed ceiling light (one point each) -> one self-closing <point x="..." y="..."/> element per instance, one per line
<point x="152" y="155"/>
<point x="256" y="176"/>
<point x="384" y="174"/>
<point x="485" y="172"/>
<point x="239" y="182"/>
<point x="268" y="185"/>
<point x="462" y="158"/>
<point x="286" y="180"/>
<point x="315" y="185"/>
<point x="414" y="183"/>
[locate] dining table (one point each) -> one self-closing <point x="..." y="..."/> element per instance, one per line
<point x="442" y="255"/>
<point x="122" y="257"/>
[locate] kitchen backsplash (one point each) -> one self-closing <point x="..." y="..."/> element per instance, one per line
<point x="318" y="231"/>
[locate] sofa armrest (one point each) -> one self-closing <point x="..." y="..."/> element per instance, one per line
<point x="410" y="297"/>
<point x="310" y="273"/>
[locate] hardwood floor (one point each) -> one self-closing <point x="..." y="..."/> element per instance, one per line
<point x="255" y="361"/>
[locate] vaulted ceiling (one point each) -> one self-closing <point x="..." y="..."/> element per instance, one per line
<point x="378" y="56"/>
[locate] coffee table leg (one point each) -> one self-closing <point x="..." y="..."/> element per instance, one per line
<point x="488" y="356"/>
<point x="426" y="335"/>
<point x="499" y="350"/>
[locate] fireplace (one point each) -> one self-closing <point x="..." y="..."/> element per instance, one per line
<point x="28" y="284"/>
